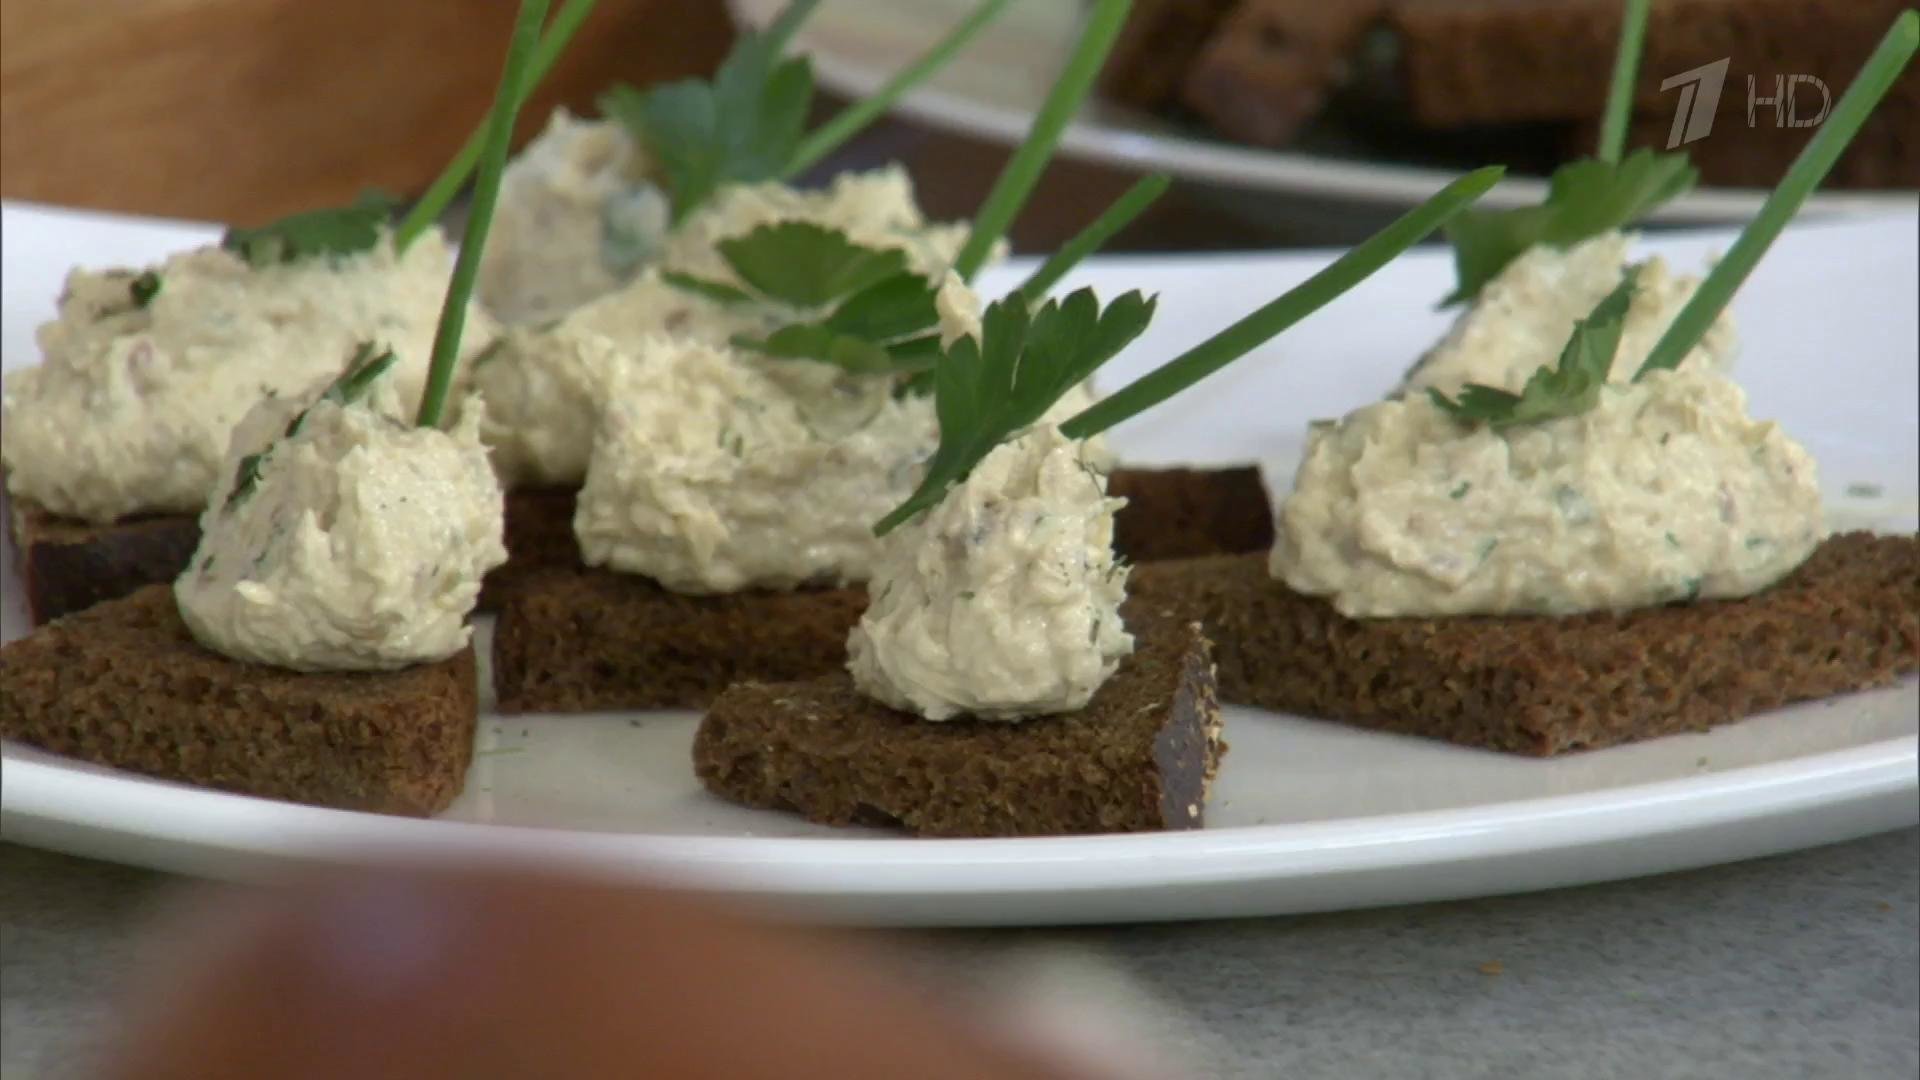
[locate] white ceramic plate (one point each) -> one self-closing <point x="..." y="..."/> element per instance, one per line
<point x="1306" y="816"/>
<point x="992" y="90"/>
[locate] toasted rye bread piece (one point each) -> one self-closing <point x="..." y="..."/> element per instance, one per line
<point x="124" y="684"/>
<point x="70" y="565"/>
<point x="1156" y="48"/>
<point x="1139" y="757"/>
<point x="1845" y="620"/>
<point x="67" y="565"/>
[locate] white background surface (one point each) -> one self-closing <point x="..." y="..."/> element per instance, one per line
<point x="1307" y="816"/>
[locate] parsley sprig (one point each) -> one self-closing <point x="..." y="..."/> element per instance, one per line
<point x="879" y="316"/>
<point x="367" y="365"/>
<point x="1584" y="198"/>
<point x="1567" y="389"/>
<point x="988" y="390"/>
<point x="748" y="123"/>
<point x="336" y="231"/>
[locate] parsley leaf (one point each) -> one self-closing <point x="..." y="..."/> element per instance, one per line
<point x="343" y="230"/>
<point x="1568" y="388"/>
<point x="882" y="318"/>
<point x="1585" y="198"/>
<point x="989" y="390"/>
<point x="144" y="288"/>
<point x="351" y="386"/>
<point x="743" y="126"/>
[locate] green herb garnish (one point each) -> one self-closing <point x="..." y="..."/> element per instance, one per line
<point x="1295" y="304"/>
<point x="1567" y="389"/>
<point x="1016" y="182"/>
<point x="344" y="230"/>
<point x="143" y="288"/>
<point x="352" y="385"/>
<point x="1889" y="58"/>
<point x="1584" y="199"/>
<point x="990" y="389"/>
<point x="1124" y="210"/>
<point x="749" y="123"/>
<point x="486" y="193"/>
<point x="440" y="194"/>
<point x="1626" y="69"/>
<point x="882" y="316"/>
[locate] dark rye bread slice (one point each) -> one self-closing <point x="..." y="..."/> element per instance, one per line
<point x="1157" y="47"/>
<point x="1139" y="757"/>
<point x="124" y="684"/>
<point x="69" y="565"/>
<point x="573" y="639"/>
<point x="1845" y="620"/>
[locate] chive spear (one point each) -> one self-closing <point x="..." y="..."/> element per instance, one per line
<point x="1289" y="308"/>
<point x="440" y="194"/>
<point x="1626" y="69"/>
<point x="1127" y="207"/>
<point x="1889" y="58"/>
<point x="1022" y="172"/>
<point x="853" y="119"/>
<point x="514" y="81"/>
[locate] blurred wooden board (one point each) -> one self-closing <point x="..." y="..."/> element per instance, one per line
<point x="243" y="110"/>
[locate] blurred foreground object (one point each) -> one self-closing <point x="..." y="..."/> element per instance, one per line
<point x="496" y="973"/>
<point x="244" y="110"/>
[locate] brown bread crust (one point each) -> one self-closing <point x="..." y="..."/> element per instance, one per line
<point x="1845" y="620"/>
<point x="1156" y="48"/>
<point x="124" y="684"/>
<point x="1139" y="757"/>
<point x="593" y="641"/>
<point x="69" y="565"/>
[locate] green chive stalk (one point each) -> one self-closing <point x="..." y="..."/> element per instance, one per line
<point x="1095" y="236"/>
<point x="1626" y="71"/>
<point x="1016" y="182"/>
<point x="780" y="34"/>
<point x="486" y="192"/>
<point x="854" y="119"/>
<point x="440" y="194"/>
<point x="1889" y="58"/>
<point x="1292" y="306"/>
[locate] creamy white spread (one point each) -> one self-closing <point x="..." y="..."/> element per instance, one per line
<point x="580" y="211"/>
<point x="1003" y="601"/>
<point x="545" y="388"/>
<point x="1521" y="319"/>
<point x="714" y="470"/>
<point x="874" y="209"/>
<point x="131" y="407"/>
<point x="360" y="547"/>
<point x="1666" y="491"/>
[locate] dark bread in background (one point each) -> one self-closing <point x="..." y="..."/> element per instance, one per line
<point x="70" y="565"/>
<point x="1140" y="756"/>
<point x="124" y="684"/>
<point x="1845" y="620"/>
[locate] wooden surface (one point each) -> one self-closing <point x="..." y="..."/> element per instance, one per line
<point x="242" y="110"/>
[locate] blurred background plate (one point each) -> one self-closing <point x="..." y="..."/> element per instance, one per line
<point x="991" y="91"/>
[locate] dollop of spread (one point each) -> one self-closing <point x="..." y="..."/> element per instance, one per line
<point x="580" y="211"/>
<point x="1665" y="491"/>
<point x="712" y="470"/>
<point x="359" y="547"/>
<point x="1521" y="319"/>
<point x="1003" y="601"/>
<point x="546" y="387"/>
<point x="131" y="407"/>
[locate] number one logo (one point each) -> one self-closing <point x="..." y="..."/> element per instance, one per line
<point x="1699" y="101"/>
